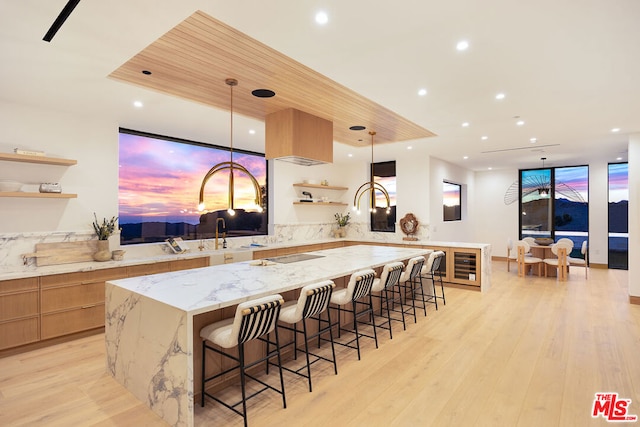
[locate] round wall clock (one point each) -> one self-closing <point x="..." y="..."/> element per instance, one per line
<point x="409" y="226"/>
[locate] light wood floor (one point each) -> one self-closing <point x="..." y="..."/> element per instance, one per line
<point x="529" y="352"/>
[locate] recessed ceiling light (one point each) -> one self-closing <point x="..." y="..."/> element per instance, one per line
<point x="252" y="132"/>
<point x="520" y="122"/>
<point x="465" y="125"/>
<point x="422" y="92"/>
<point x="490" y="168"/>
<point x="484" y="138"/>
<point x="618" y="158"/>
<point x="138" y="104"/>
<point x="500" y="96"/>
<point x="614" y="130"/>
<point x="462" y="45"/>
<point x="263" y="93"/>
<point x="409" y="147"/>
<point x="322" y="17"/>
<point x="349" y="155"/>
<point x="357" y="127"/>
<point x="465" y="157"/>
<point x="146" y="72"/>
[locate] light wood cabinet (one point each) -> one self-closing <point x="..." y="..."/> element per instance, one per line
<point x="460" y="266"/>
<point x="19" y="312"/>
<point x="74" y="302"/>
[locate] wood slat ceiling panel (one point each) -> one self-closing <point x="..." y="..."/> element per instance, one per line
<point x="193" y="59"/>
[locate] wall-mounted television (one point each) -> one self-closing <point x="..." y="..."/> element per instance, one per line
<point x="159" y="187"/>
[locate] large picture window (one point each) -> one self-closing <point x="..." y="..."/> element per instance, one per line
<point x="385" y="174"/>
<point x="159" y="186"/>
<point x="554" y="203"/>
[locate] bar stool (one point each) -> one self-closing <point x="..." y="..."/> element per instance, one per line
<point x="431" y="271"/>
<point x="388" y="281"/>
<point x="358" y="288"/>
<point x="253" y="320"/>
<point x="313" y="301"/>
<point x="411" y="280"/>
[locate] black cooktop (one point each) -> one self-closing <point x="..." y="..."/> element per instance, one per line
<point x="287" y="259"/>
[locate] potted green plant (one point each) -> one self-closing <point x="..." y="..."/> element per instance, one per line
<point x="103" y="230"/>
<point x="342" y="221"/>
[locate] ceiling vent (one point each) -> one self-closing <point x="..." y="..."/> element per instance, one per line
<point x="298" y="137"/>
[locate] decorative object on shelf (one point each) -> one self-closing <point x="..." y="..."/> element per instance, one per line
<point x="324" y="183"/>
<point x="409" y="226"/>
<point x="118" y="255"/>
<point x="371" y="187"/>
<point x="50" y="187"/>
<point x="231" y="166"/>
<point x="29" y="152"/>
<point x="342" y="221"/>
<point x="103" y="230"/>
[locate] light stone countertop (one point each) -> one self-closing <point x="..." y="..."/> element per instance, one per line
<point x="146" y="254"/>
<point x="209" y="288"/>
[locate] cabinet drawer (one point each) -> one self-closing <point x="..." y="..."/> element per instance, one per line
<point x="146" y="269"/>
<point x="18" y="332"/>
<point x="83" y="277"/>
<point x="185" y="264"/>
<point x="68" y="322"/>
<point x="14" y="306"/>
<point x="74" y="296"/>
<point x="16" y="285"/>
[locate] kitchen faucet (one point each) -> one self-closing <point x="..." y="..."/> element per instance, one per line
<point x="224" y="233"/>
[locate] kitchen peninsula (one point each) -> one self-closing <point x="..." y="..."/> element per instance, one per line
<point x="152" y="322"/>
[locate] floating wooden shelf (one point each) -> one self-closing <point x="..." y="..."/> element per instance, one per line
<point x="320" y="203"/>
<point x="326" y="187"/>
<point x="32" y="195"/>
<point x="37" y="159"/>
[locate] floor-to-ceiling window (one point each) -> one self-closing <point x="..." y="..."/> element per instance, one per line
<point x="618" y="216"/>
<point x="554" y="203"/>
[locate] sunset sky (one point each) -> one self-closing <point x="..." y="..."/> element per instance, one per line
<point x="160" y="180"/>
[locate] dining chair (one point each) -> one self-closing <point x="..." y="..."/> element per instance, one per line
<point x="524" y="260"/>
<point x="583" y="262"/>
<point x="560" y="262"/>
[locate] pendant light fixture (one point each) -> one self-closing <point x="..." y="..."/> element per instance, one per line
<point x="231" y="166"/>
<point x="371" y="187"/>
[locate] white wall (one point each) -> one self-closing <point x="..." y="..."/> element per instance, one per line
<point x="496" y="221"/>
<point x="92" y="142"/>
<point x="453" y="231"/>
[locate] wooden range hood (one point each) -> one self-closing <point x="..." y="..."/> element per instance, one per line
<point x="298" y="137"/>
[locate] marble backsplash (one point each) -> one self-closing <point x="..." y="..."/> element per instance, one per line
<point x="12" y="246"/>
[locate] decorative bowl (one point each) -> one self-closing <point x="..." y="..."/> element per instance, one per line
<point x="9" y="185"/>
<point x="543" y="241"/>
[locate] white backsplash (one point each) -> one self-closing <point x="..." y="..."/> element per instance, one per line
<point x="12" y="246"/>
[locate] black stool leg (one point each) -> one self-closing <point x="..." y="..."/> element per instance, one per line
<point x="243" y="383"/>
<point x="355" y="327"/>
<point x="306" y="349"/>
